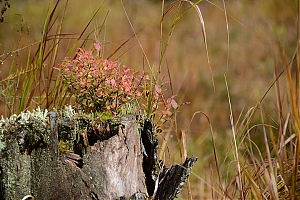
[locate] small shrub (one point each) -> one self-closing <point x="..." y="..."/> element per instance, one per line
<point x="100" y="85"/>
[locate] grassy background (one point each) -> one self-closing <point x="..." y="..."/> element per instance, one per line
<point x="256" y="30"/>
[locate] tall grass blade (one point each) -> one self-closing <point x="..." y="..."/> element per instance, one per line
<point x="236" y="154"/>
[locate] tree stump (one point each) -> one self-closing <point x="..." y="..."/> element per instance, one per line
<point x="65" y="155"/>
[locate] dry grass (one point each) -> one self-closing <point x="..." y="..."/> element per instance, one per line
<point x="259" y="140"/>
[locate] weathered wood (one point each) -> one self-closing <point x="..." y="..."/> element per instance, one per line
<point x="62" y="155"/>
<point x="171" y="180"/>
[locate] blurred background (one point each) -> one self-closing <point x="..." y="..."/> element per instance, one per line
<point x="244" y="48"/>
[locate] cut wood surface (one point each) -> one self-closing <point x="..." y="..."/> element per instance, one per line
<point x="59" y="155"/>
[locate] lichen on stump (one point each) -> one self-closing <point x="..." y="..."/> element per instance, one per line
<point x="66" y="155"/>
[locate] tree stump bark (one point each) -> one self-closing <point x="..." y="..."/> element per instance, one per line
<point x="58" y="155"/>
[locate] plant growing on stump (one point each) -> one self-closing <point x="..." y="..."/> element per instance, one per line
<point x="103" y="86"/>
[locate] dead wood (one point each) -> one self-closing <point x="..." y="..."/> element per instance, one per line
<point x="74" y="157"/>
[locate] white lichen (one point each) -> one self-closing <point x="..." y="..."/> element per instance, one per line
<point x="25" y="117"/>
<point x="2" y="143"/>
<point x="37" y="114"/>
<point x="69" y="111"/>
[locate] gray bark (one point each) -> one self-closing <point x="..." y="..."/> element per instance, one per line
<point x="77" y="158"/>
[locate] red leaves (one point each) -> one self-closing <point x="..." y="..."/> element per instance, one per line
<point x="102" y="85"/>
<point x="97" y="46"/>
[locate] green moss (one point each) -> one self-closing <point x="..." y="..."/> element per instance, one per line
<point x="64" y="146"/>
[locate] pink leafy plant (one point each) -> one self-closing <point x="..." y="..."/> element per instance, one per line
<point x="100" y="85"/>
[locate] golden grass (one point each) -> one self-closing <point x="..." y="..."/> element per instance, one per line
<point x="262" y="40"/>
